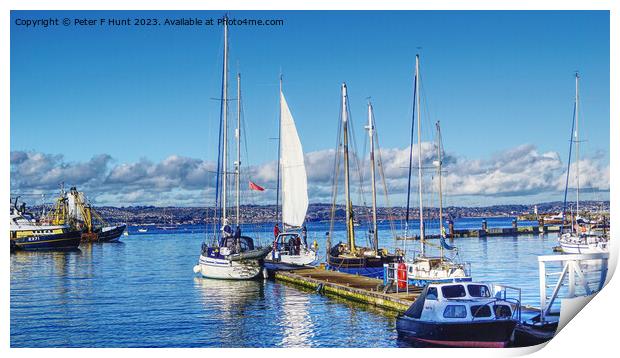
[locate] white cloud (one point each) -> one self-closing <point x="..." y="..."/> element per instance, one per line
<point x="521" y="172"/>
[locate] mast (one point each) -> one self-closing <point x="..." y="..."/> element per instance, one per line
<point x="577" y="136"/>
<point x="225" y="119"/>
<point x="347" y="193"/>
<point x="440" y="191"/>
<point x="417" y="99"/>
<point x="371" y="127"/>
<point x="238" y="135"/>
<point x="279" y="156"/>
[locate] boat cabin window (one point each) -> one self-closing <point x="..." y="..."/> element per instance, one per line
<point x="481" y="311"/>
<point x="502" y="311"/>
<point x="432" y="293"/>
<point x="455" y="311"/>
<point x="453" y="291"/>
<point x="478" y="291"/>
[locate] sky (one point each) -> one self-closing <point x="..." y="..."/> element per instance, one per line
<point x="130" y="113"/>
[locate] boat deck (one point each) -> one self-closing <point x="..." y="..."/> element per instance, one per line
<point x="352" y="287"/>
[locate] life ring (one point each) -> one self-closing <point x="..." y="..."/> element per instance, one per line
<point x="402" y="276"/>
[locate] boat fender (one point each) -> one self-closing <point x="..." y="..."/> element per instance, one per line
<point x="402" y="276"/>
<point x="196" y="268"/>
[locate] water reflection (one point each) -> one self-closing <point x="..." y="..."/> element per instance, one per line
<point x="228" y="309"/>
<point x="296" y="320"/>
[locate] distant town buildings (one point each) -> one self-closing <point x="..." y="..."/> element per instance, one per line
<point x="152" y="215"/>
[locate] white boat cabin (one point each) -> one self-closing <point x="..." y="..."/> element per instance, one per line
<point x="450" y="302"/>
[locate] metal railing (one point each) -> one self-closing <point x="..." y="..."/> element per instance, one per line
<point x="390" y="277"/>
<point x="580" y="275"/>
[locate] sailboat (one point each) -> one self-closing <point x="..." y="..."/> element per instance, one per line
<point x="365" y="261"/>
<point x="424" y="269"/>
<point x="290" y="247"/>
<point x="168" y="227"/>
<point x="229" y="255"/>
<point x="579" y="240"/>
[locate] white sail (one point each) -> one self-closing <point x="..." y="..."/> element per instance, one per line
<point x="294" y="181"/>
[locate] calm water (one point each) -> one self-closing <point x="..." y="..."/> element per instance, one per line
<point x="142" y="293"/>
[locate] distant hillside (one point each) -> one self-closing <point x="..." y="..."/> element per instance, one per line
<point x="143" y="215"/>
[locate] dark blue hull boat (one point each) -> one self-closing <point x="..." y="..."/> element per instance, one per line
<point x="475" y="334"/>
<point x="65" y="241"/>
<point x="111" y="235"/>
<point x="364" y="266"/>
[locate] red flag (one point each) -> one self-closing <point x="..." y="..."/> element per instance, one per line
<point x="256" y="187"/>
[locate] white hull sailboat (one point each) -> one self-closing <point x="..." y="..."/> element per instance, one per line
<point x="226" y="269"/>
<point x="288" y="247"/>
<point x="424" y="269"/>
<point x="227" y="255"/>
<point x="580" y="240"/>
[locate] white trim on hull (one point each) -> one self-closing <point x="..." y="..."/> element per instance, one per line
<point x="306" y="257"/>
<point x="584" y="248"/>
<point x="572" y="244"/>
<point x="229" y="270"/>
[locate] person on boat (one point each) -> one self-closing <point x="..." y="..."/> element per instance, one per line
<point x="227" y="230"/>
<point x="297" y="245"/>
<point x="304" y="234"/>
<point x="335" y="251"/>
<point x="276" y="231"/>
<point x="238" y="232"/>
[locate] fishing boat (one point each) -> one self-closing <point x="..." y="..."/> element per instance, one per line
<point x="26" y="233"/>
<point x="579" y="239"/>
<point x="80" y="213"/>
<point x="290" y="247"/>
<point x="365" y="261"/>
<point x="228" y="255"/>
<point x="424" y="269"/>
<point x="471" y="315"/>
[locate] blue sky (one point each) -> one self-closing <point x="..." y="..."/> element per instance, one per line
<point x="496" y="80"/>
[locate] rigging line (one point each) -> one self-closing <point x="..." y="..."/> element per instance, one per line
<point x="363" y="178"/>
<point x="411" y="152"/>
<point x="216" y="215"/>
<point x="335" y="182"/>
<point x="570" y="151"/>
<point x="357" y="166"/>
<point x="383" y="180"/>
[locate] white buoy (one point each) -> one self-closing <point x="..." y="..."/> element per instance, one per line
<point x="197" y="269"/>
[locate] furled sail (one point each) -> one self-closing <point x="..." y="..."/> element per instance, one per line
<point x="294" y="181"/>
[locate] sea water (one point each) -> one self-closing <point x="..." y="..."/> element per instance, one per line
<point x="142" y="292"/>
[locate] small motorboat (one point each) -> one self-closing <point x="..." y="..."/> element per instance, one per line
<point x="142" y="230"/>
<point x="474" y="315"/>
